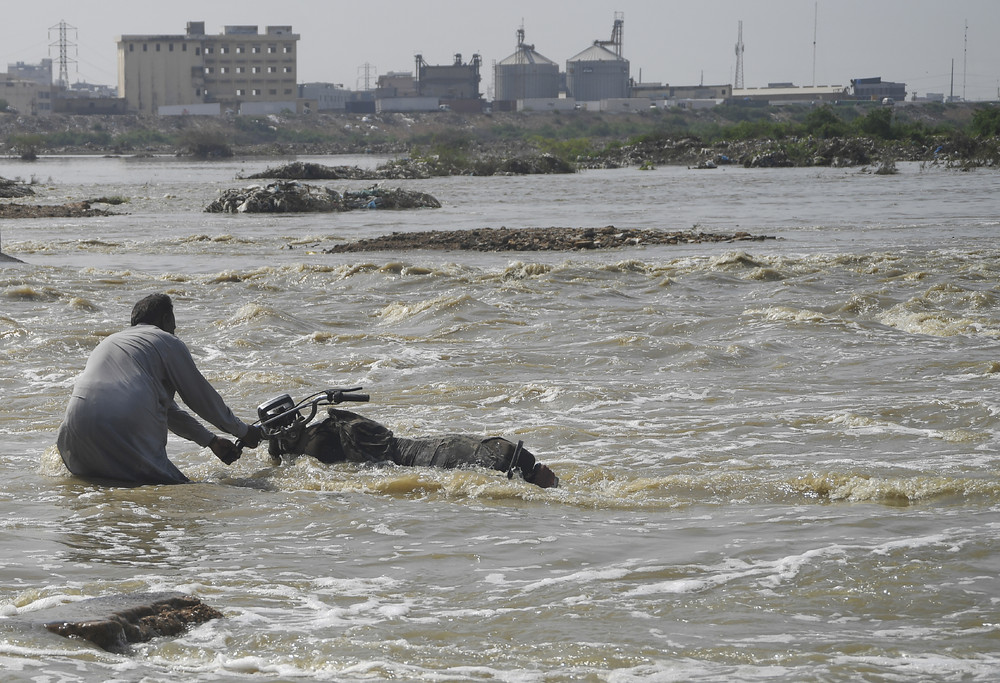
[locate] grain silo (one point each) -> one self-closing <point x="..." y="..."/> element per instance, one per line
<point x="598" y="73"/>
<point x="525" y="74"/>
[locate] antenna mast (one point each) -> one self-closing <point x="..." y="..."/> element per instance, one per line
<point x="738" y="84"/>
<point x="64" y="46"/>
<point x="965" y="58"/>
<point x="815" y="25"/>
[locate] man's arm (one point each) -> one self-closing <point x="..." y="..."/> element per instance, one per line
<point x="199" y="396"/>
<point x="186" y="426"/>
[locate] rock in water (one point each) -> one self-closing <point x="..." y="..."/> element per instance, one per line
<point x="113" y="622"/>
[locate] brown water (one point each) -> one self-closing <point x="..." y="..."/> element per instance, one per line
<point x="778" y="459"/>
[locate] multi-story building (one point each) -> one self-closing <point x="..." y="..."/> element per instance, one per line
<point x="40" y="73"/>
<point x="238" y="67"/>
<point x="25" y="96"/>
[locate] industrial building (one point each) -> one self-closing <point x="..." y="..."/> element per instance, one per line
<point x="327" y="96"/>
<point x="396" y="84"/>
<point x="240" y="66"/>
<point x="787" y="93"/>
<point x="455" y="84"/>
<point x="599" y="73"/>
<point x="877" y="89"/>
<point x="525" y="75"/>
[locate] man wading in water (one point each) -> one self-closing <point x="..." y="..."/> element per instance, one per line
<point x="123" y="404"/>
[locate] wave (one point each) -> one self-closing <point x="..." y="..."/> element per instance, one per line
<point x="586" y="486"/>
<point x="893" y="490"/>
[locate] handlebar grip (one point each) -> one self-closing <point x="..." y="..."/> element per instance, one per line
<point x="339" y="397"/>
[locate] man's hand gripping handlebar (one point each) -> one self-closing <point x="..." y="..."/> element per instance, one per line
<point x="281" y="416"/>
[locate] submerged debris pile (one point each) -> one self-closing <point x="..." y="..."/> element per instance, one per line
<point x="71" y="210"/>
<point x="300" y="170"/>
<point x="14" y="188"/>
<point x="422" y="168"/>
<point x="534" y="239"/>
<point x="295" y="197"/>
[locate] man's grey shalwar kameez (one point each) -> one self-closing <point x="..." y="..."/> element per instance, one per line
<point x="123" y="404"/>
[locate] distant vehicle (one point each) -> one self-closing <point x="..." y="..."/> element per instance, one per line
<point x="444" y="107"/>
<point x="888" y="101"/>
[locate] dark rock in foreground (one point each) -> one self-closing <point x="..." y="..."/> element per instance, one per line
<point x="114" y="622"/>
<point x="534" y="239"/>
<point x="294" y="197"/>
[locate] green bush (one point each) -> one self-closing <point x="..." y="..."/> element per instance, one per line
<point x="877" y="124"/>
<point x="985" y="122"/>
<point x="206" y="145"/>
<point x="138" y="139"/>
<point x="823" y="122"/>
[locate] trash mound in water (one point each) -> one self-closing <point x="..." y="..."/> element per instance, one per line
<point x="421" y="168"/>
<point x="299" y="170"/>
<point x="295" y="197"/>
<point x="534" y="239"/>
<point x="71" y="210"/>
<point x="14" y="188"/>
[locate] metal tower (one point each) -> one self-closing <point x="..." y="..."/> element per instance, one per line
<point x="617" y="34"/>
<point x="64" y="45"/>
<point x="365" y="72"/>
<point x="738" y="84"/>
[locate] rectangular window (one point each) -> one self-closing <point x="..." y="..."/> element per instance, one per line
<point x="271" y="69"/>
<point x="239" y="49"/>
<point x="131" y="47"/>
<point x="184" y="47"/>
<point x="240" y="92"/>
<point x="256" y="92"/>
<point x="145" y="47"/>
<point x="255" y="69"/>
<point x="272" y="92"/>
<point x="271" y="49"/>
<point x="256" y="49"/>
<point x="288" y="91"/>
<point x="157" y="47"/>
<point x="223" y="50"/>
<point x="240" y="69"/>
<point x="171" y="47"/>
<point x="287" y="69"/>
<point x="287" y="49"/>
<point x="223" y="69"/>
<point x="209" y="69"/>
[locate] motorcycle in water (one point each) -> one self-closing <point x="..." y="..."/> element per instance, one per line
<point x="343" y="436"/>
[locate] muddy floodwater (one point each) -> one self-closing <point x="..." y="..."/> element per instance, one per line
<point x="778" y="459"/>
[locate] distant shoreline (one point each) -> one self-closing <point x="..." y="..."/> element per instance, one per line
<point x="849" y="134"/>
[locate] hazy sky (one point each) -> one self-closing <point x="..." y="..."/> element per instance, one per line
<point x="666" y="41"/>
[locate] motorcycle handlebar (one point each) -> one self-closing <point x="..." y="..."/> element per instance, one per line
<point x="333" y="396"/>
<point x="342" y="395"/>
